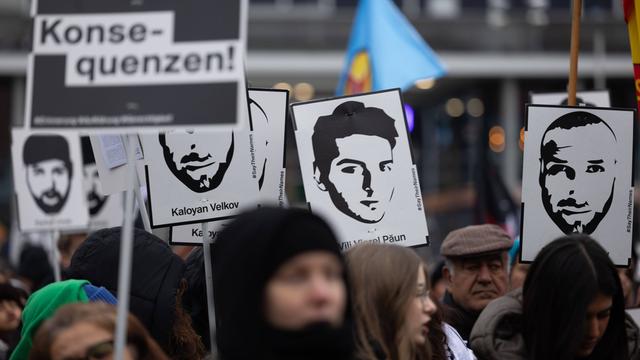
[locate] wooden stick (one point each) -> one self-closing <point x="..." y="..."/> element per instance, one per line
<point x="575" y="49"/>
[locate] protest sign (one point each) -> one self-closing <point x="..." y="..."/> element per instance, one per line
<point x="358" y="170"/>
<point x="578" y="177"/>
<point x="583" y="98"/>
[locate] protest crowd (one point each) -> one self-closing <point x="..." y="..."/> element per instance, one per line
<point x="150" y="218"/>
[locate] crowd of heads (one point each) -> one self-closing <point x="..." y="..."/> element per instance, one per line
<point x="283" y="289"/>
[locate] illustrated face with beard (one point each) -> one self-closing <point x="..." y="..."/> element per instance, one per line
<point x="95" y="197"/>
<point x="577" y="176"/>
<point x="198" y="160"/>
<point x="49" y="182"/>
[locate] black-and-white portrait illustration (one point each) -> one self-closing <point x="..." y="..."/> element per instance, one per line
<point x="195" y="176"/>
<point x="95" y="198"/>
<point x="353" y="159"/>
<point x="577" y="179"/>
<point x="577" y="174"/>
<point x="198" y="160"/>
<point x="268" y="110"/>
<point x="47" y="171"/>
<point x="357" y="168"/>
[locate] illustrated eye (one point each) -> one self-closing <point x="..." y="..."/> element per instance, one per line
<point x="594" y="169"/>
<point x="386" y="166"/>
<point x="555" y="169"/>
<point x="38" y="171"/>
<point x="348" y="169"/>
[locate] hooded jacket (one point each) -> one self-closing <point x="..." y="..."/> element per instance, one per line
<point x="41" y="305"/>
<point x="155" y="276"/>
<point x="246" y="255"/>
<point x="497" y="335"/>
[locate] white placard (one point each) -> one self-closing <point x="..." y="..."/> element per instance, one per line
<point x="104" y="210"/>
<point x="48" y="181"/>
<point x="267" y="139"/>
<point x="357" y="168"/>
<point x="112" y="169"/>
<point x="583" y="98"/>
<point x="578" y="177"/>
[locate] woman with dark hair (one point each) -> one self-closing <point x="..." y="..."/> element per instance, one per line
<point x="571" y="306"/>
<point x="396" y="319"/>
<point x="86" y="331"/>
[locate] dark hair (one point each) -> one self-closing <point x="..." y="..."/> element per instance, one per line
<point x="39" y="148"/>
<point x="349" y="118"/>
<point x="563" y="280"/>
<point x="569" y="121"/>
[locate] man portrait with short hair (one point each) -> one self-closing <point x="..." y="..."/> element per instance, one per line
<point x="48" y="171"/>
<point x="198" y="160"/>
<point x="577" y="172"/>
<point x="95" y="198"/>
<point x="353" y="159"/>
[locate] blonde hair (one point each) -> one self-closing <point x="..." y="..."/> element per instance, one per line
<point x="383" y="279"/>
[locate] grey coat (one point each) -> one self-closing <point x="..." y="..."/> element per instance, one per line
<point x="497" y="333"/>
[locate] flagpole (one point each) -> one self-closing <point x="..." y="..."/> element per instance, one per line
<point x="575" y="49"/>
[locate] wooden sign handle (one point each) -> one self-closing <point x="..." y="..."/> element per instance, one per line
<point x="575" y="49"/>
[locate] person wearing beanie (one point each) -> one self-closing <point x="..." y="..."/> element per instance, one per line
<point x="157" y="285"/>
<point x="42" y="304"/>
<point x="477" y="271"/>
<point x="281" y="289"/>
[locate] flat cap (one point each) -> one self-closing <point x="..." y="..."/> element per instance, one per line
<point x="476" y="240"/>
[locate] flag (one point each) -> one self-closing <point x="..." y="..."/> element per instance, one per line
<point x="631" y="17"/>
<point x="385" y="51"/>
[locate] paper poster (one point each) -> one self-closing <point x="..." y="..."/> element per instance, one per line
<point x="198" y="176"/>
<point x="47" y="174"/>
<point x="358" y="170"/>
<point x="104" y="210"/>
<point x="122" y="66"/>
<point x="111" y="158"/>
<point x="583" y="98"/>
<point x="268" y="108"/>
<point x="578" y="177"/>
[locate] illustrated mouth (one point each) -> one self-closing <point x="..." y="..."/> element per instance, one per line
<point x="193" y="167"/>
<point x="368" y="203"/>
<point x="573" y="212"/>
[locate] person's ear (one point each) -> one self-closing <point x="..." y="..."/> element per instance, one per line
<point x="316" y="177"/>
<point x="447" y="275"/>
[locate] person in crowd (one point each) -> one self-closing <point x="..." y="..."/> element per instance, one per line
<point x="12" y="302"/>
<point x="281" y="288"/>
<point x="86" y="331"/>
<point x="395" y="316"/>
<point x="195" y="298"/>
<point x="477" y="271"/>
<point x="157" y="286"/>
<point x="571" y="306"/>
<point x="67" y="245"/>
<point x="34" y="269"/>
<point x="519" y="271"/>
<point x="42" y="304"/>
<point x="438" y="282"/>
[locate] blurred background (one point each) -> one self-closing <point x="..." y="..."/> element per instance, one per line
<point x="466" y="127"/>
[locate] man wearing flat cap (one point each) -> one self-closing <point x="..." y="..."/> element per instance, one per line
<point x="476" y="271"/>
<point x="48" y="171"/>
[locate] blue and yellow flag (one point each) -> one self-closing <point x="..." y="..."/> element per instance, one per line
<point x="385" y="51"/>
